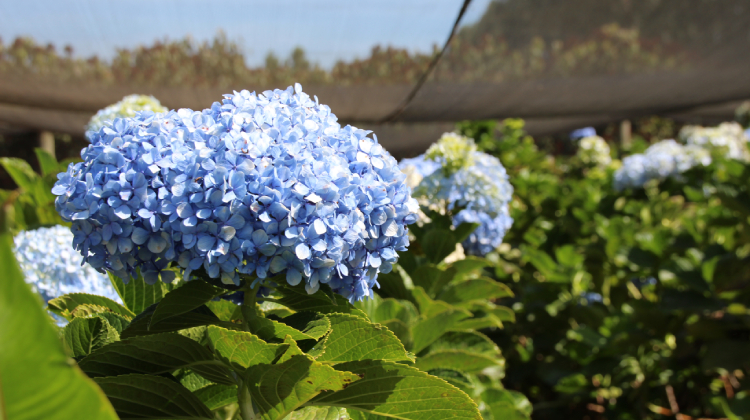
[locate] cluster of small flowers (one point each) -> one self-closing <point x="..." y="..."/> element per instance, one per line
<point x="257" y="184"/>
<point x="127" y="107"/>
<point x="53" y="268"/>
<point x="727" y="139"/>
<point x="661" y="160"/>
<point x="594" y="150"/>
<point x="474" y="181"/>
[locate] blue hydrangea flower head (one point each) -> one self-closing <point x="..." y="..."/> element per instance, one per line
<point x="258" y="184"/>
<point x="453" y="174"/>
<point x="54" y="268"/>
<point x="661" y="160"/>
<point x="582" y="132"/>
<point x="127" y="107"/>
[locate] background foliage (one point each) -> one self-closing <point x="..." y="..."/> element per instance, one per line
<point x="629" y="305"/>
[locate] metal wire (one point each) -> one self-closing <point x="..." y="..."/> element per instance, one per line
<point x="407" y="100"/>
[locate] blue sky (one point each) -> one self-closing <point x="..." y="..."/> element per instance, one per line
<point x="327" y="29"/>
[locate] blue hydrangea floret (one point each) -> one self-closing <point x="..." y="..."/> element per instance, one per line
<point x="258" y="184"/>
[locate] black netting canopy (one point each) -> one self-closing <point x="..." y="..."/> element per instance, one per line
<point x="380" y="64"/>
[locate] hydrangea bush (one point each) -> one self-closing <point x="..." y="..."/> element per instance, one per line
<point x="661" y="160"/>
<point x="53" y="268"/>
<point x="453" y="174"/>
<point x="257" y="185"/>
<point x="127" y="107"/>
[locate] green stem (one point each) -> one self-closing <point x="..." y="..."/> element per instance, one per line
<point x="248" y="306"/>
<point x="246" y="403"/>
<point x="243" y="393"/>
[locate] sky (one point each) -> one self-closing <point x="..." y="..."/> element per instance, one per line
<point x="328" y="30"/>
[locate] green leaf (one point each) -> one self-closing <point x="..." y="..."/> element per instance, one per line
<point x="352" y="338"/>
<point x="311" y="324"/>
<point x="393" y="286"/>
<point x="568" y="256"/>
<point x="319" y="413"/>
<point x="478" y="323"/>
<point x="141" y="324"/>
<point x="155" y="354"/>
<point x="460" y="360"/>
<point x="503" y="313"/>
<point x="463" y="230"/>
<point x="477" y="289"/>
<point x="191" y="380"/>
<point x="118" y="322"/>
<point x="426" y="276"/>
<point x="21" y="173"/>
<point x="427" y="330"/>
<point x="438" y="244"/>
<point x="429" y="307"/>
<point x="47" y="163"/>
<point x="399" y="392"/>
<point x="38" y="380"/>
<point x="505" y="404"/>
<point x="66" y="305"/>
<point x="152" y="397"/>
<point x="242" y="349"/>
<point x="297" y="299"/>
<point x="472" y="341"/>
<point x="291" y="350"/>
<point x="270" y="330"/>
<point x="137" y="295"/>
<point x="453" y="377"/>
<point x="278" y="390"/>
<point x="216" y="396"/>
<point x="84" y="335"/>
<point x="469" y="265"/>
<point x="393" y="309"/>
<point x="225" y="310"/>
<point x="402" y="331"/>
<point x="184" y="299"/>
<point x="87" y="310"/>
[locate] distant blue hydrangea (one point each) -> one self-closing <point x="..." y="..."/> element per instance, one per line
<point x="661" y="160"/>
<point x="582" y="132"/>
<point x="260" y="185"/>
<point x="53" y="268"/>
<point x="480" y="185"/>
<point x="589" y="298"/>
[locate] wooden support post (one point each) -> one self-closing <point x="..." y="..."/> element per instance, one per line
<point x="47" y="142"/>
<point x="626" y="134"/>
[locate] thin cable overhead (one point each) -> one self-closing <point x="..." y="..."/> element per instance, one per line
<point x="393" y="115"/>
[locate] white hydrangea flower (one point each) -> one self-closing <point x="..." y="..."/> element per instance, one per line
<point x="594" y="150"/>
<point x="727" y="139"/>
